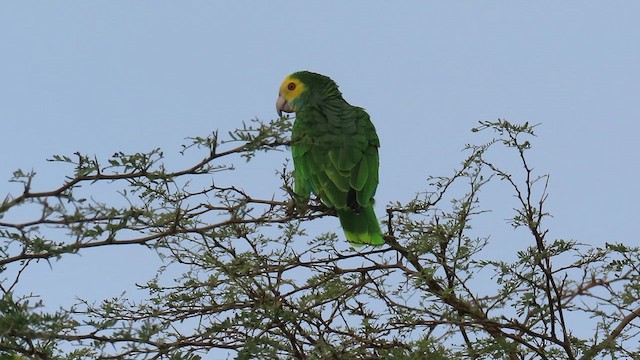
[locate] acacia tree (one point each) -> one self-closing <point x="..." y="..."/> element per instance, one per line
<point x="256" y="283"/>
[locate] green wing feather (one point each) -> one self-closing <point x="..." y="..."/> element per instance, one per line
<point x="335" y="155"/>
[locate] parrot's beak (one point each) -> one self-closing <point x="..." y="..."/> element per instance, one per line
<point x="282" y="105"/>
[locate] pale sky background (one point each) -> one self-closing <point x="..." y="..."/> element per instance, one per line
<point x="106" y="76"/>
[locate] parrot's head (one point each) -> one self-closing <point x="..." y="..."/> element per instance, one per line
<point x="304" y="88"/>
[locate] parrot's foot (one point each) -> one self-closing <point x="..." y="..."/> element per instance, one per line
<point x="295" y="208"/>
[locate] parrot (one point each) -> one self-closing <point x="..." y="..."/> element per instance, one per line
<point x="334" y="147"/>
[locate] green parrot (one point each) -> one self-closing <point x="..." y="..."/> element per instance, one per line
<point x="335" y="153"/>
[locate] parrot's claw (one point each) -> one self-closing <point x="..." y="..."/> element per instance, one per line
<point x="295" y="208"/>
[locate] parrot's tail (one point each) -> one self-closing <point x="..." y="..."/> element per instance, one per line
<point x="361" y="228"/>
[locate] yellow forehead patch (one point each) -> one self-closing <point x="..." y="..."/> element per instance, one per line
<point x="291" y="88"/>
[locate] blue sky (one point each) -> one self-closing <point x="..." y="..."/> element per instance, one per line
<point x="106" y="76"/>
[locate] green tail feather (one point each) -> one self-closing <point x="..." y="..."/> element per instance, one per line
<point x="361" y="228"/>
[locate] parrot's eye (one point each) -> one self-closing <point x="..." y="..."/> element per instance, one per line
<point x="291" y="86"/>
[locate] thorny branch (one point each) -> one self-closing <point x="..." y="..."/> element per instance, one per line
<point x="246" y="274"/>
